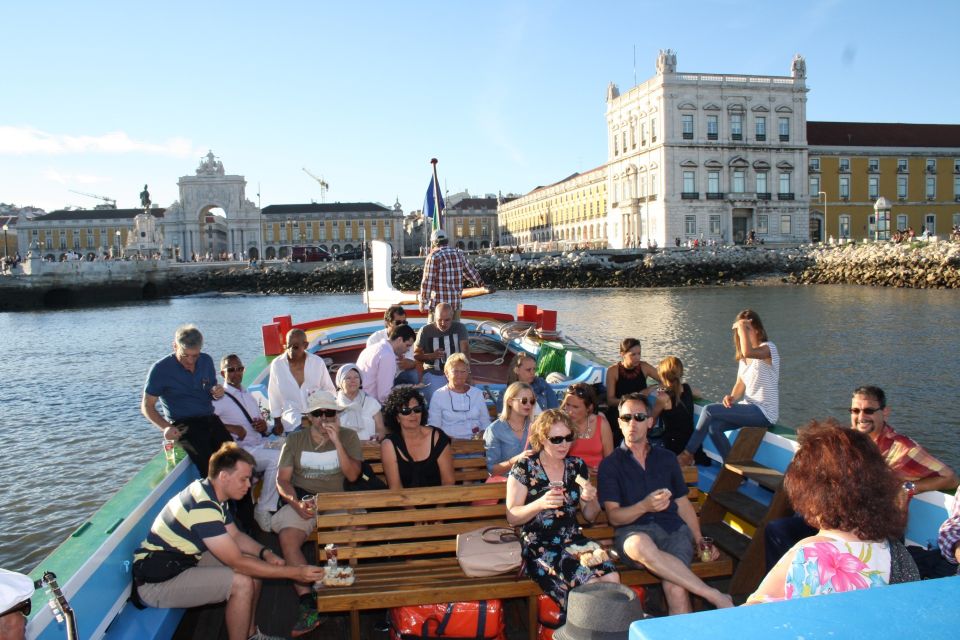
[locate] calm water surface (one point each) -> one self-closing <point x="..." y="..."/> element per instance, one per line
<point x="70" y="381"/>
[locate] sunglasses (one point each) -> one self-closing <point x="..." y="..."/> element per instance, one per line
<point x="639" y="417"/>
<point x="526" y="401"/>
<point x="325" y="413"/>
<point x="867" y="411"/>
<point x="234" y="369"/>
<point x="561" y="439"/>
<point x="397" y="323"/>
<point x="576" y="391"/>
<point x="405" y="411"/>
<point x="24" y="607"/>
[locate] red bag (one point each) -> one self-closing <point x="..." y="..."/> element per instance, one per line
<point x="548" y="613"/>
<point x="476" y="620"/>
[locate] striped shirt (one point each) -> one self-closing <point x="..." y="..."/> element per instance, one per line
<point x="761" y="383"/>
<point x="443" y="272"/>
<point x="188" y="518"/>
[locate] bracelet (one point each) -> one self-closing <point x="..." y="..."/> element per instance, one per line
<point x="263" y="550"/>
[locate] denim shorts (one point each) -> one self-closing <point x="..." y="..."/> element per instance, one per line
<point x="679" y="543"/>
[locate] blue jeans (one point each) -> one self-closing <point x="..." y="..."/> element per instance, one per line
<point x="716" y="418"/>
<point x="433" y="381"/>
<point x="406" y="377"/>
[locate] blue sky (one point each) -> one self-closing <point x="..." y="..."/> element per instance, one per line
<point x="103" y="97"/>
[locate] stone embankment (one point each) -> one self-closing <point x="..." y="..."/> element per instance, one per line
<point x="933" y="265"/>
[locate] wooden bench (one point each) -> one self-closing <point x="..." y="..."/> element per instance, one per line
<point x="403" y="550"/>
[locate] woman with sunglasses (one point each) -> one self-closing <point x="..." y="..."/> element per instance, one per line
<point x="594" y="437"/>
<point x="361" y="412"/>
<point x="505" y="439"/>
<point x="544" y="491"/>
<point x="459" y="408"/>
<point x="414" y="454"/>
<point x="758" y="382"/>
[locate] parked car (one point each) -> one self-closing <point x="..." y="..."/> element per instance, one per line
<point x="310" y="254"/>
<point x="352" y="254"/>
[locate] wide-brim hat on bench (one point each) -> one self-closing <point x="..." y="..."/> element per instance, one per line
<point x="600" y="611"/>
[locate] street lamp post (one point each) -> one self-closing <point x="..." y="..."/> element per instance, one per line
<point x="823" y="195"/>
<point x="5" y="228"/>
<point x="881" y="227"/>
<point x="118" y="244"/>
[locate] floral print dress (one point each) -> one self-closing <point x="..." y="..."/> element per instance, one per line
<point x="546" y="537"/>
<point x="832" y="566"/>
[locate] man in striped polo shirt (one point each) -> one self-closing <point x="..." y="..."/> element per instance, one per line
<point x="195" y="555"/>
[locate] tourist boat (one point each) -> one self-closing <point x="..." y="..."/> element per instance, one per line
<point x="93" y="565"/>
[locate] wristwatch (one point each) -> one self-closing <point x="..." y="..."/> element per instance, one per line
<point x="910" y="488"/>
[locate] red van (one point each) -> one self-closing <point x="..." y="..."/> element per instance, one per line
<point x="310" y="254"/>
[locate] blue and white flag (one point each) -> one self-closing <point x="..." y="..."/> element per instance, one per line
<point x="433" y="207"/>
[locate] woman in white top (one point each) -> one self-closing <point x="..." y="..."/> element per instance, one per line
<point x="361" y="412"/>
<point x="294" y="375"/>
<point x="757" y="389"/>
<point x="458" y="408"/>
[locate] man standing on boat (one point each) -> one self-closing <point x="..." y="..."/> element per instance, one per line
<point x="436" y="342"/>
<point x="645" y="497"/>
<point x="443" y="273"/>
<point x="240" y="413"/>
<point x="378" y="363"/>
<point x="184" y="385"/>
<point x="406" y="365"/>
<point x="915" y="466"/>
<point x="195" y="555"/>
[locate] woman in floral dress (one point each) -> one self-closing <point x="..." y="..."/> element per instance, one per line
<point x="840" y="484"/>
<point x="548" y="514"/>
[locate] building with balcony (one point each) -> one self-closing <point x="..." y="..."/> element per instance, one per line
<point x="471" y="222"/>
<point x="335" y="226"/>
<point x="916" y="167"/>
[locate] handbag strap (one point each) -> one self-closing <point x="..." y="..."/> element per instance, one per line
<point x="494" y="535"/>
<point x="242" y="408"/>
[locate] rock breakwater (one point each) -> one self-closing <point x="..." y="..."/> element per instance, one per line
<point x="928" y="265"/>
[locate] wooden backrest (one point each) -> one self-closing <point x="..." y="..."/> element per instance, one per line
<point x="465" y="469"/>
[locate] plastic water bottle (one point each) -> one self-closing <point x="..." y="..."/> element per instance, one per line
<point x="169" y="452"/>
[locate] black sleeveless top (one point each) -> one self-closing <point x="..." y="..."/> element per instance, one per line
<point x="629" y="380"/>
<point x="678" y="422"/>
<point x="423" y="473"/>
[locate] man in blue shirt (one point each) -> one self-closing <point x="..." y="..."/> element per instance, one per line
<point x="643" y="492"/>
<point x="184" y="385"/>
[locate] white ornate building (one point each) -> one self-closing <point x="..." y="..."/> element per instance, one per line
<point x="707" y="156"/>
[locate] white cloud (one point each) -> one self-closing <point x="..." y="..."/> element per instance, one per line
<point x="73" y="178"/>
<point x="31" y="141"/>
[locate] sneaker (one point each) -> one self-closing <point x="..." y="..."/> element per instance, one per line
<point x="260" y="635"/>
<point x="308" y="619"/>
<point x="263" y="518"/>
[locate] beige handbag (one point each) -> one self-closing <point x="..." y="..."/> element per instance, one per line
<point x="488" y="551"/>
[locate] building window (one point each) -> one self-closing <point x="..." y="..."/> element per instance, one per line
<point x="956" y="220"/>
<point x="844" y="226"/>
<point x="736" y="126"/>
<point x="687" y="126"/>
<point x="930" y="223"/>
<point x="713" y="127"/>
<point x="63" y="239"/>
<point x="762" y="182"/>
<point x="785" y="228"/>
<point x="388" y="231"/>
<point x="901" y="165"/>
<point x="901" y="222"/>
<point x="322" y="232"/>
<point x="844" y="165"/>
<point x="931" y="187"/>
<point x="814" y="186"/>
<point x="653" y="129"/>
<point x="931" y="165"/>
<point x="739" y="181"/>
<point x="902" y="187"/>
<point x="90" y="244"/>
<point x="689" y="181"/>
<point x="814" y="164"/>
<point x="761" y="128"/>
<point x="714" y="225"/>
<point x="270" y="233"/>
<point x="956" y="187"/>
<point x="784" y="183"/>
<point x="76" y="239"/>
<point x="844" y="187"/>
<point x="633" y="136"/>
<point x="873" y="165"/>
<point x="310" y="231"/>
<point x="616" y="149"/>
<point x="956" y="165"/>
<point x="653" y="185"/>
<point x="374" y="231"/>
<point x="713" y="182"/>
<point x="783" y="126"/>
<point x="873" y="187"/>
<point x="336" y="232"/>
<point x="643" y="134"/>
<point x="762" y="223"/>
<point x="690" y="225"/>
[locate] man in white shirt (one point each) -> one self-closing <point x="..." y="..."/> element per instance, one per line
<point x="407" y="372"/>
<point x="240" y="413"/>
<point x="294" y="375"/>
<point x="378" y="363"/>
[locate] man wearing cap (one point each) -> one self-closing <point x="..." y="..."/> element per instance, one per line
<point x="645" y="497"/>
<point x="443" y="273"/>
<point x="240" y="413"/>
<point x="195" y="555"/>
<point x="378" y="363"/>
<point x="315" y="460"/>
<point x="16" y="590"/>
<point x="184" y="385"/>
<point x="407" y="372"/>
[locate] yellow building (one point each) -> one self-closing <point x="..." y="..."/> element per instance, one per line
<point x="88" y="232"/>
<point x="335" y="227"/>
<point x="914" y="166"/>
<point x="567" y="213"/>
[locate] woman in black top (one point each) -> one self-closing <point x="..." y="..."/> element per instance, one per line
<point x="673" y="407"/>
<point x="414" y="454"/>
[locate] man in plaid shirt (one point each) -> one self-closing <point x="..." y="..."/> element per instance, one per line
<point x="950" y="535"/>
<point x="443" y="273"/>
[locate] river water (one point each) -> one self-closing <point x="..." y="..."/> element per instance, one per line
<point x="70" y="381"/>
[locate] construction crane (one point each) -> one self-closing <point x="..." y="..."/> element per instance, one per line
<point x="110" y="202"/>
<point x="323" y="184"/>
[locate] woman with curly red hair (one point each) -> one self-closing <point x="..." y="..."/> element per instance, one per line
<point x="840" y="484"/>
